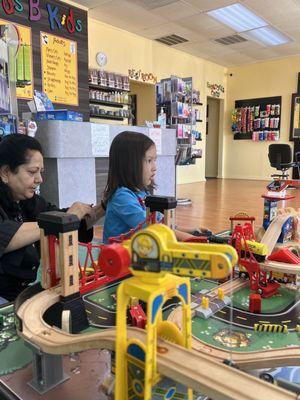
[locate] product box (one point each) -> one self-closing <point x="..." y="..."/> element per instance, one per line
<point x="42" y="101"/>
<point x="63" y="115"/>
<point x="8" y="124"/>
<point x="286" y="231"/>
<point x="93" y="76"/>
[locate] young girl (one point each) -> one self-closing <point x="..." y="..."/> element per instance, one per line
<point x="132" y="168"/>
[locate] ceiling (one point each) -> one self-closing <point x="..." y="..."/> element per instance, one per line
<point x="186" y="18"/>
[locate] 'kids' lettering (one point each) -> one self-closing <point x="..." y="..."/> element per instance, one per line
<point x="58" y="19"/>
<point x="34" y="11"/>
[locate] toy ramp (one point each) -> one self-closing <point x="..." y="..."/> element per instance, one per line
<point x="272" y="234"/>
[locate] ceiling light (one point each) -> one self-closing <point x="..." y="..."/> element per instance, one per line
<point x="249" y="25"/>
<point x="267" y="35"/>
<point x="238" y="17"/>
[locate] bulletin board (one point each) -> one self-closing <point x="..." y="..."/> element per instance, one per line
<point x="58" y="19"/>
<point x="24" y="70"/>
<point x="59" y="69"/>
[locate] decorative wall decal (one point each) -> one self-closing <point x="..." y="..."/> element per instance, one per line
<point x="215" y="89"/>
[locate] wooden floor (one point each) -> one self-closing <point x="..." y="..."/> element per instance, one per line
<point x="215" y="200"/>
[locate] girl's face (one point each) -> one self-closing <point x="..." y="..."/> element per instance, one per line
<point x="24" y="181"/>
<point x="149" y="166"/>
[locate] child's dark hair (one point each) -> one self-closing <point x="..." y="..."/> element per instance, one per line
<point x="14" y="151"/>
<point x="126" y="155"/>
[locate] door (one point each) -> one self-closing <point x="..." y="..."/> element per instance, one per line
<point x="145" y="102"/>
<point x="212" y="137"/>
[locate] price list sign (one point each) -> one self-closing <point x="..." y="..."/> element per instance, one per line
<point x="59" y="69"/>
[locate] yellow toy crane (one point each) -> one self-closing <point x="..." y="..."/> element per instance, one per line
<point x="155" y="257"/>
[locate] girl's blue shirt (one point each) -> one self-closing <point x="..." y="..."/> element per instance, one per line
<point x="124" y="211"/>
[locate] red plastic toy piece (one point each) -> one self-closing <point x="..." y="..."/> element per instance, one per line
<point x="284" y="255"/>
<point x="258" y="278"/>
<point x="138" y="316"/>
<point x="52" y="240"/>
<point x="196" y="239"/>
<point x="114" y="260"/>
<point x="255" y="303"/>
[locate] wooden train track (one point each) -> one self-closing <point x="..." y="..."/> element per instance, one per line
<point x="231" y="286"/>
<point x="201" y="370"/>
<point x="284" y="268"/>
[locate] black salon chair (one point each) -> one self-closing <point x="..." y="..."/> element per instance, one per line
<point x="281" y="158"/>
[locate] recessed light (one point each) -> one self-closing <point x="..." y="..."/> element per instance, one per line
<point x="238" y="17"/>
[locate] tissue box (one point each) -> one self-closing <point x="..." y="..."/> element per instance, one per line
<point x="63" y="115"/>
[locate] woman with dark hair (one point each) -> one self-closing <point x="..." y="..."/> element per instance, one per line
<point x="21" y="167"/>
<point x="132" y="168"/>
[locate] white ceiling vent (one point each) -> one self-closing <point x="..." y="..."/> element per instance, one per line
<point x="171" y="40"/>
<point x="227" y="40"/>
<point x="152" y="4"/>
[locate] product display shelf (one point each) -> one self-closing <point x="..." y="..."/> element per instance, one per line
<point x="111" y="117"/>
<point x="107" y="88"/>
<point x="257" y="119"/>
<point x="105" y="100"/>
<point x="186" y="119"/>
<point x="108" y="103"/>
<point x="175" y="96"/>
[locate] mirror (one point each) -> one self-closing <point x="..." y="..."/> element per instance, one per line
<point x="295" y="117"/>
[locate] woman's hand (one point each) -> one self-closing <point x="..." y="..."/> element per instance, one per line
<point x="81" y="210"/>
<point x="182" y="236"/>
<point x="201" y="231"/>
<point x="96" y="213"/>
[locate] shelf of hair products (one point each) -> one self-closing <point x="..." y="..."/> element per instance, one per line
<point x="177" y="102"/>
<point x="257" y="122"/>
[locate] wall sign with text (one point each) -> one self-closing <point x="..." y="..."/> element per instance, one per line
<point x="215" y="89"/>
<point x="59" y="69"/>
<point x="57" y="18"/>
<point x="138" y="75"/>
<point x="64" y="22"/>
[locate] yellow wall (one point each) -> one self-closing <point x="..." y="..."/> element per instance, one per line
<point x="243" y="158"/>
<point x="126" y="50"/>
<point x="146" y="101"/>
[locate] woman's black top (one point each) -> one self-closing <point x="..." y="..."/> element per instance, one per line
<point x="18" y="268"/>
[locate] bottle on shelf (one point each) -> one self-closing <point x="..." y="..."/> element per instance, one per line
<point x="162" y="118"/>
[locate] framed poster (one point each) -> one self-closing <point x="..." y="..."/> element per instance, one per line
<point x="59" y="69"/>
<point x="295" y="117"/>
